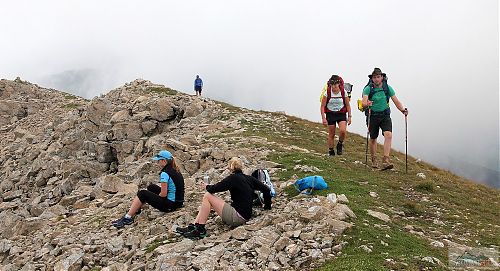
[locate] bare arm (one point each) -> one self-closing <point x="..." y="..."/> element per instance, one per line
<point x="348" y="107"/>
<point x="399" y="105"/>
<point x="366" y="102"/>
<point x="163" y="192"/>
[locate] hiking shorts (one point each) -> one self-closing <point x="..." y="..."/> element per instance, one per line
<point x="333" y="117"/>
<point x="378" y="122"/>
<point x="231" y="217"/>
<point x="152" y="197"/>
<point x="197" y="88"/>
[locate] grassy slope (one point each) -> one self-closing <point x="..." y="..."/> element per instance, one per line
<point x="469" y="211"/>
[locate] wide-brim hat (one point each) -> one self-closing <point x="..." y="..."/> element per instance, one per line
<point x="163" y="155"/>
<point x="376" y="71"/>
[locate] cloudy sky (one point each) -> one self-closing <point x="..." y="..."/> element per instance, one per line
<point x="442" y="58"/>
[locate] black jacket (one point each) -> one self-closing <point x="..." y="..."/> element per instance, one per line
<point x="241" y="187"/>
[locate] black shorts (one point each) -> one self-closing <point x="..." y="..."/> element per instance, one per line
<point x="152" y="196"/>
<point x="379" y="121"/>
<point x="333" y="117"/>
<point x="197" y="88"/>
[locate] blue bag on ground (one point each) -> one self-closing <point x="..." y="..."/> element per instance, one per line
<point x="310" y="183"/>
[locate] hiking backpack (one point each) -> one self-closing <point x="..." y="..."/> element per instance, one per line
<point x="385" y="88"/>
<point x="344" y="88"/>
<point x="262" y="175"/>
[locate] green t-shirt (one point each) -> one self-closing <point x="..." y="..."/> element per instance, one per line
<point x="378" y="99"/>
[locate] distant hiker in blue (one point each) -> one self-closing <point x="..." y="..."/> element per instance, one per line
<point x="166" y="197"/>
<point x="198" y="85"/>
<point x="376" y="96"/>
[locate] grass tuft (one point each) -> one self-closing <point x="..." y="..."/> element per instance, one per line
<point x="162" y="90"/>
<point x="427" y="186"/>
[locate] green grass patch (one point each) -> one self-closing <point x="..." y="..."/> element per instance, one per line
<point x="412" y="209"/>
<point x="71" y="106"/>
<point x="427" y="186"/>
<point x="160" y="242"/>
<point x="162" y="90"/>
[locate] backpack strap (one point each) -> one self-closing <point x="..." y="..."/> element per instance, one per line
<point x="385" y="88"/>
<point x="328" y="96"/>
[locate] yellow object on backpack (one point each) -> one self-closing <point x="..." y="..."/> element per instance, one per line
<point x="323" y="91"/>
<point x="360" y="106"/>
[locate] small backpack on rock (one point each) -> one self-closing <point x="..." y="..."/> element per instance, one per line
<point x="308" y="184"/>
<point x="262" y="175"/>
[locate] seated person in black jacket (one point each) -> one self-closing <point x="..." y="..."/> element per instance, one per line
<point x="241" y="187"/>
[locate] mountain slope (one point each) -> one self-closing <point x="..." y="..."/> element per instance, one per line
<point x="70" y="166"/>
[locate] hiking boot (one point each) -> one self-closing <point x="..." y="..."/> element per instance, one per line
<point x="120" y="223"/>
<point x="386" y="163"/>
<point x="331" y="152"/>
<point x="183" y="230"/>
<point x="374" y="162"/>
<point x="339" y="148"/>
<point x="197" y="233"/>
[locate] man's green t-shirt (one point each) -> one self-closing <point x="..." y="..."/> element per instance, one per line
<point x="378" y="99"/>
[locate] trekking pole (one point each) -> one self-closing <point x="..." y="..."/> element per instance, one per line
<point x="406" y="141"/>
<point x="367" y="133"/>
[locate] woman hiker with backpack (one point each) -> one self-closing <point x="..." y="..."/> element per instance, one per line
<point x="241" y="187"/>
<point x="166" y="197"/>
<point x="334" y="106"/>
<point x="376" y="96"/>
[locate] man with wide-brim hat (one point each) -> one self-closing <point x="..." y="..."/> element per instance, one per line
<point x="376" y="96"/>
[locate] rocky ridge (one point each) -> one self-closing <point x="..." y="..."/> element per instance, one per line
<point x="70" y="166"/>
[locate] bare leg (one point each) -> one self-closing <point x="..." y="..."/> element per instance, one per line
<point x="387" y="143"/>
<point x="331" y="135"/>
<point x="373" y="146"/>
<point x="209" y="202"/>
<point x="342" y="130"/>
<point x="136" y="205"/>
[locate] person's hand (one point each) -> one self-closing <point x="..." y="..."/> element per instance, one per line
<point x="324" y="121"/>
<point x="405" y="112"/>
<point x="349" y="120"/>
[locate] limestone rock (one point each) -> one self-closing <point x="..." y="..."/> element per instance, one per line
<point x="379" y="215"/>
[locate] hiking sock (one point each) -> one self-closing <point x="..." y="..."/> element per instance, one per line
<point x="127" y="216"/>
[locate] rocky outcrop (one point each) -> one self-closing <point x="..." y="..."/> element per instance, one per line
<point x="70" y="166"/>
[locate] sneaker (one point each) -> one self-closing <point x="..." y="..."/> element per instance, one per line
<point x="183" y="230"/>
<point x="339" y="148"/>
<point x="331" y="152"/>
<point x="120" y="223"/>
<point x="197" y="233"/>
<point x="386" y="163"/>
